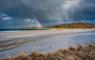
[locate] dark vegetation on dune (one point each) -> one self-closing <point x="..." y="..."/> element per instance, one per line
<point x="69" y="25"/>
<point x="79" y="53"/>
<point x="74" y="25"/>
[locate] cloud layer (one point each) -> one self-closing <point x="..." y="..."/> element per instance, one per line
<point x="49" y="12"/>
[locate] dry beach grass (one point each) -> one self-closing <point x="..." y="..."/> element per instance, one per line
<point x="79" y="53"/>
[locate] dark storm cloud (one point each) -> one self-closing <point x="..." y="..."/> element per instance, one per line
<point x="14" y="8"/>
<point x="45" y="10"/>
<point x="50" y="11"/>
<point x="86" y="10"/>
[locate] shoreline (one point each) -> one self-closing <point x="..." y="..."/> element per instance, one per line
<point x="34" y="33"/>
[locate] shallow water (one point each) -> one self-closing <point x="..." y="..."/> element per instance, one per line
<point x="47" y="43"/>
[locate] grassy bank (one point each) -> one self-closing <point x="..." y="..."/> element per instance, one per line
<point x="79" y="53"/>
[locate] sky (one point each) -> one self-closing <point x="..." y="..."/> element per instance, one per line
<point x="31" y="13"/>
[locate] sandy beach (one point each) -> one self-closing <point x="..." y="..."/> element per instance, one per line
<point x="13" y="42"/>
<point x="35" y="33"/>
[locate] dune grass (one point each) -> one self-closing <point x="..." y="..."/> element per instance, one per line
<point x="79" y="53"/>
